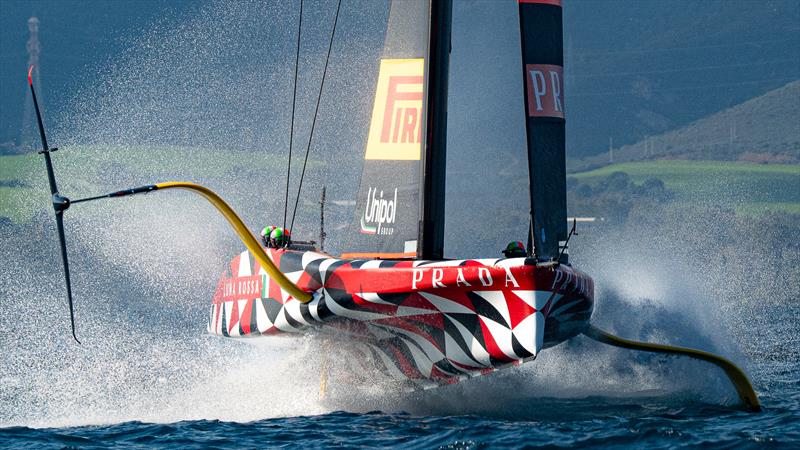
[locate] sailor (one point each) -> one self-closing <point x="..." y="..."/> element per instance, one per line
<point x="280" y="237"/>
<point x="515" y="250"/>
<point x="275" y="237"/>
<point x="265" y="234"/>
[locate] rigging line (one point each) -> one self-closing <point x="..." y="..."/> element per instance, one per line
<point x="316" y="110"/>
<point x="294" y="99"/>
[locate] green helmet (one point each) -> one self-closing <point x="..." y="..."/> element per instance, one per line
<point x="280" y="236"/>
<point x="265" y="234"/>
<point x="514" y="249"/>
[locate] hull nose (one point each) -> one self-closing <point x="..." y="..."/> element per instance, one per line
<point x="530" y="332"/>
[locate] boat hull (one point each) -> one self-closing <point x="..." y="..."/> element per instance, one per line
<point x="435" y="321"/>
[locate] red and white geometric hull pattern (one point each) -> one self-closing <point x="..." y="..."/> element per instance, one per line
<point x="439" y="321"/>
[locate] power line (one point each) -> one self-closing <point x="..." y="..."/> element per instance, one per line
<point x="689" y="88"/>
<point x="645" y="50"/>
<point x="691" y="69"/>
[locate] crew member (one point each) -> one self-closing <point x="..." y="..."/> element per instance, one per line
<point x="275" y="237"/>
<point x="515" y="250"/>
<point x="280" y="237"/>
<point x="265" y="234"/>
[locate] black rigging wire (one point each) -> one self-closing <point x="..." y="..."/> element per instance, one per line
<point x="294" y="99"/>
<point x="316" y="110"/>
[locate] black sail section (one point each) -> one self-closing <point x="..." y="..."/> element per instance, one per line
<point x="387" y="206"/>
<point x="543" y="61"/>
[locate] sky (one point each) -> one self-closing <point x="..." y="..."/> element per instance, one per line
<point x="76" y="37"/>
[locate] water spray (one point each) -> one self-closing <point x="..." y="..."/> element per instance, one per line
<point x="62" y="203"/>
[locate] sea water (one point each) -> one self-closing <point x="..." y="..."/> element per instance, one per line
<point x="147" y="374"/>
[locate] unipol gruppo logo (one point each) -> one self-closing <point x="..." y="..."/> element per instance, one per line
<point x="396" y="126"/>
<point x="378" y="213"/>
<point x="545" y="90"/>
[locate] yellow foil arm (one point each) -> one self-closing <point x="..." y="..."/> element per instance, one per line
<point x="244" y="234"/>
<point x="734" y="373"/>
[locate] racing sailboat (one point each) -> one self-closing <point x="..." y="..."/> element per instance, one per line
<point x="422" y="317"/>
<point x="425" y="317"/>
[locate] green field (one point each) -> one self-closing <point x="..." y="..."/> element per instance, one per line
<point x="749" y="188"/>
<point x="80" y="170"/>
<point x="16" y="186"/>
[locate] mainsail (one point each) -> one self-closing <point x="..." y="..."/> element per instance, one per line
<point x="400" y="205"/>
<point x="388" y="202"/>
<point x="543" y="62"/>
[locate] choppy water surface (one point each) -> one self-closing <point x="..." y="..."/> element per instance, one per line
<point x="148" y="376"/>
<point x="589" y="422"/>
<point x="633" y="422"/>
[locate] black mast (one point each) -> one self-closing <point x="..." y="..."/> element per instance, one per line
<point x="543" y="62"/>
<point x="431" y="233"/>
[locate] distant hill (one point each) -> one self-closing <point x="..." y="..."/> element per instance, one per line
<point x="765" y="129"/>
<point x="638" y="68"/>
<point x="752" y="189"/>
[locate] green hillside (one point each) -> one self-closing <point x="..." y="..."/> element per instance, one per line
<point x="749" y="188"/>
<point x="762" y="129"/>
<point x="81" y="171"/>
<point x="15" y="187"/>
